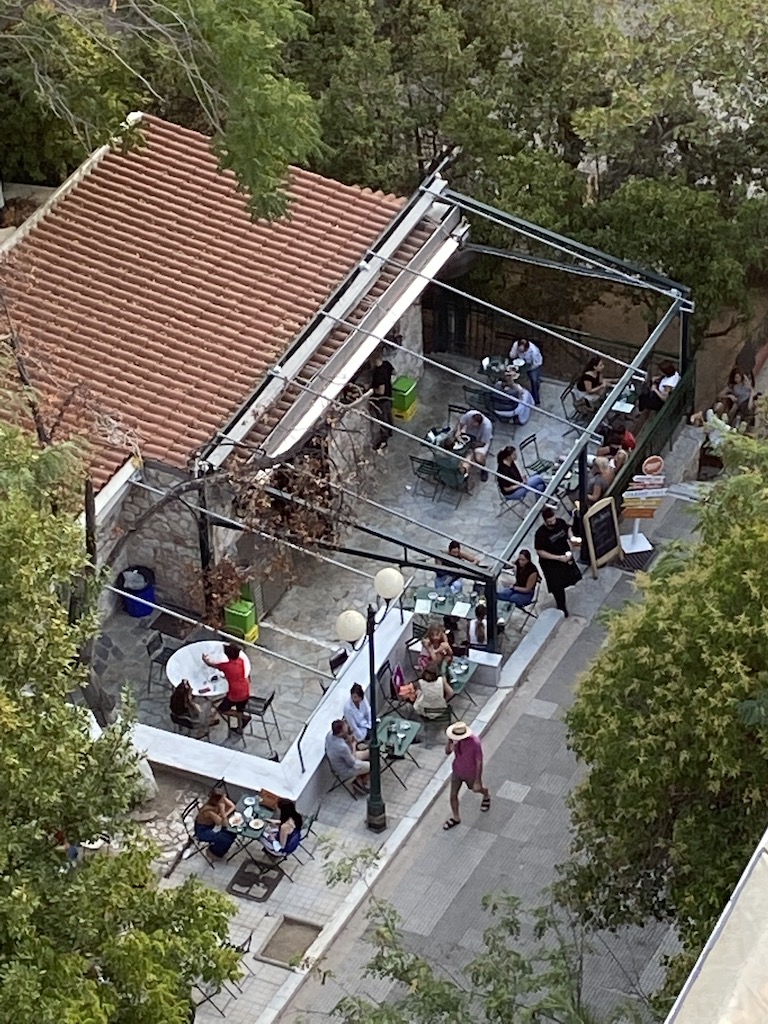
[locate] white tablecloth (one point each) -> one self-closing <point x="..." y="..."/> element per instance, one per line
<point x="187" y="663"/>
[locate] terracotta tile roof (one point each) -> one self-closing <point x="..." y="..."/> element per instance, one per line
<point x="149" y="289"/>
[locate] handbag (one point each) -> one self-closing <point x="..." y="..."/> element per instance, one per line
<point x="573" y="574"/>
<point x="268" y="799"/>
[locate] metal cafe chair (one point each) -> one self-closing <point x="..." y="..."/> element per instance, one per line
<point x="425" y="471"/>
<point x="188" y="816"/>
<point x="258" y="707"/>
<point x="159" y="655"/>
<point x="529" y="447"/>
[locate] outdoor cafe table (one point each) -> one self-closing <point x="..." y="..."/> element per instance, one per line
<point x="187" y="663"/>
<point x="395" y="737"/>
<point x="458" y="606"/>
<point x="461" y="446"/>
<point x="625" y="403"/>
<point x="249" y="811"/>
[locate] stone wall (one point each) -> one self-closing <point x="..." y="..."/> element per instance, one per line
<point x="166" y="542"/>
<point x="408" y="363"/>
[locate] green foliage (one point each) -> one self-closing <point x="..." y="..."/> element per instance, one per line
<point x="674" y="798"/>
<point x="96" y="942"/>
<point x="62" y="92"/>
<point x="501" y="984"/>
<point x="681" y="232"/>
<point x="69" y="75"/>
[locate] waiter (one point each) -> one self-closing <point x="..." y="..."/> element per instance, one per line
<point x="553" y="546"/>
<point x="381" y="400"/>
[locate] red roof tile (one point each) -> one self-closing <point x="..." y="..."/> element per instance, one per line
<point x="149" y="287"/>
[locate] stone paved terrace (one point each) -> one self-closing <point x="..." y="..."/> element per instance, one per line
<point x="302" y="625"/>
<point x="526" y="832"/>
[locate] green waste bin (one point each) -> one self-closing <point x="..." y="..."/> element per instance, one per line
<point x="404" y="397"/>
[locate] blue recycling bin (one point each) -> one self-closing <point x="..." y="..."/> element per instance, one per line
<point x="139" y="582"/>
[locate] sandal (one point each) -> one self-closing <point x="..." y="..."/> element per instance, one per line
<point x="485" y="804"/>
<point x="451" y="823"/>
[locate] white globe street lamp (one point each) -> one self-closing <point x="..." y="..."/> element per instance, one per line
<point x="351" y="627"/>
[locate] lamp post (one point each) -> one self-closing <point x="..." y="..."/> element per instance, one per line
<point x="352" y="626"/>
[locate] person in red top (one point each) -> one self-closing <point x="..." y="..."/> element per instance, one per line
<point x="239" y="685"/>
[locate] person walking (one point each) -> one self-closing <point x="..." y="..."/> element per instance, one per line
<point x="533" y="359"/>
<point x="467" y="769"/>
<point x="553" y="546"/>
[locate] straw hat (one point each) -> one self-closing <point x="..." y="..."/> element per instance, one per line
<point x="458" y="731"/>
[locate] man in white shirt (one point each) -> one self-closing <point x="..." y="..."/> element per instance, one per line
<point x="480" y="430"/>
<point x="357" y="714"/>
<point x="533" y="359"/>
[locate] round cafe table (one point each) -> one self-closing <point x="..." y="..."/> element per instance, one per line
<point x="187" y="663"/>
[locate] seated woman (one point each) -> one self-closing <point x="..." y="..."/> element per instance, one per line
<point x="210" y="824"/>
<point x="617" y="438"/>
<point x="434" y="693"/>
<point x="280" y="830"/>
<point x="357" y="714"/>
<point x="741" y="394"/>
<point x="436" y="649"/>
<point x="591" y="385"/>
<point x="526" y="577"/>
<point x="478" y="627"/>
<point x="661" y="387"/>
<point x="184" y="705"/>
<point x="601" y="477"/>
<point x="510" y="479"/>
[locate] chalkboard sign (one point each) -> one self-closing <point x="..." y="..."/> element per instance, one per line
<point x="601" y="531"/>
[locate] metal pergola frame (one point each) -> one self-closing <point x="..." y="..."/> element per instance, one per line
<point x="591" y="262"/>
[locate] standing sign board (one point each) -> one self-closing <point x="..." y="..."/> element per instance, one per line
<point x="601" y="531"/>
<point x="641" y="500"/>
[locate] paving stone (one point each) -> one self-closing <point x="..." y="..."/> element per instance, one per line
<point x="509" y="790"/>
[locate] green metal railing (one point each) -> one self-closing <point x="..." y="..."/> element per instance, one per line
<point x="658" y="431"/>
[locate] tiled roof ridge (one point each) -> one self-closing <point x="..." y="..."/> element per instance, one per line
<point x="86" y="167"/>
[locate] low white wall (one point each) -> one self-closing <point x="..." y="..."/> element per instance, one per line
<point x="210" y="762"/>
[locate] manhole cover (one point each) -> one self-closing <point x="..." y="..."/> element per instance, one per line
<point x="289" y="941"/>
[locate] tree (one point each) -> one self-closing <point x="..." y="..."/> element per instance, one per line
<point x="85" y="940"/>
<point x="684" y="233"/>
<point x="501" y="984"/>
<point x="673" y="802"/>
<point x="69" y="74"/>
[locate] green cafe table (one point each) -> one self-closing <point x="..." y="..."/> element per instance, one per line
<point x="395" y="736"/>
<point x="248" y="823"/>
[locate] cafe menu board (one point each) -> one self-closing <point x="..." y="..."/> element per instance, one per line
<point x="601" y="532"/>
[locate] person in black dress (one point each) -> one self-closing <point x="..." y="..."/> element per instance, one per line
<point x="552" y="543"/>
<point x="381" y="400"/>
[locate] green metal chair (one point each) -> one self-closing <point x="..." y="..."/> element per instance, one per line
<point x="529" y="447"/>
<point x="454" y="480"/>
<point x="426" y="471"/>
